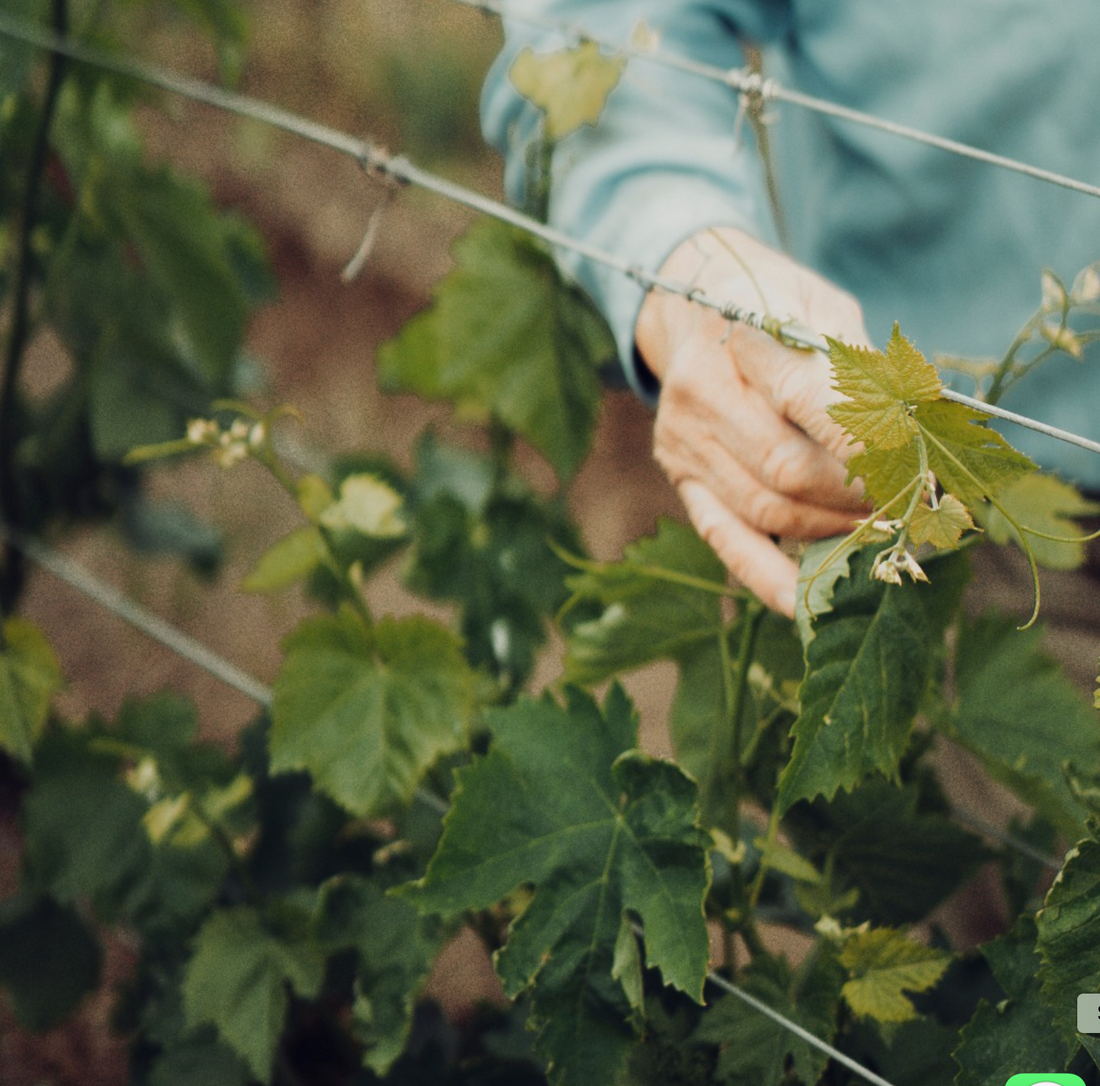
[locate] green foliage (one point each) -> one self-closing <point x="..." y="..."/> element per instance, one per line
<point x="239" y="978"/>
<point x="604" y="834"/>
<point x="369" y="711"/>
<point x="1017" y="1030"/>
<point x="505" y="339"/>
<point x="1017" y="712"/>
<point x="867" y="669"/>
<point x="287" y="899"/>
<point x="29" y="677"/>
<point x="1068" y="927"/>
<point x="756" y="1050"/>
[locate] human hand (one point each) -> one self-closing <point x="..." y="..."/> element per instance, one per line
<point x="741" y="429"/>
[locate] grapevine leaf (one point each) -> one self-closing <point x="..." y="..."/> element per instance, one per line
<point x="506" y="337"/>
<point x="824" y="562"/>
<point x="16" y="57"/>
<point x="395" y="948"/>
<point x="970" y="460"/>
<point x="83" y="826"/>
<point x="1021" y="716"/>
<point x="238" y="978"/>
<point x="601" y="831"/>
<point x="1069" y="935"/>
<point x="1048" y="505"/>
<point x="29" y="677"/>
<point x="367" y="712"/>
<point x="1092" y="1046"/>
<point x="754" y="1049"/>
<point x="881" y="389"/>
<point x="883" y="965"/>
<point x="903" y="859"/>
<point x="570" y="86"/>
<point x="187" y="251"/>
<point x="490" y="553"/>
<point x="289" y="559"/>
<point x="49" y="960"/>
<point x="648" y="612"/>
<point x="197" y="1059"/>
<point x="866" y="670"/>
<point x="941" y="527"/>
<point x="1019" y="1030"/>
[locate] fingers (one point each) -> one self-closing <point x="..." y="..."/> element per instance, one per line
<point x="750" y="556"/>
<point x="715" y="426"/>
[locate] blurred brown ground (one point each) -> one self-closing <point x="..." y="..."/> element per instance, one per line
<point x="383" y="70"/>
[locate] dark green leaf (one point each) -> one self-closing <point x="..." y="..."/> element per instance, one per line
<point x="49" y="960"/>
<point x="396" y="948"/>
<point x="238" y="980"/>
<point x="1017" y="712"/>
<point x="903" y="859"/>
<point x="15" y="57"/>
<point x="506" y="338"/>
<point x="602" y="832"/>
<point x="756" y="1051"/>
<point x="1069" y="936"/>
<point x="867" y="668"/>
<point x="1019" y="1031"/>
<point x="29" y="677"/>
<point x="200" y="1060"/>
<point x="649" y="612"/>
<point x="367" y="712"/>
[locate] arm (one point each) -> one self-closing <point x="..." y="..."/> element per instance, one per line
<point x="741" y="427"/>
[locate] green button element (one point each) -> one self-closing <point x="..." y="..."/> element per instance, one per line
<point x="1045" y="1080"/>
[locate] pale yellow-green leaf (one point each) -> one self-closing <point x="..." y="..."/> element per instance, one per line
<point x="1047" y="505"/>
<point x="369" y="506"/>
<point x="570" y="86"/>
<point x="314" y="496"/>
<point x="881" y="389"/>
<point x="626" y="965"/>
<point x="882" y="966"/>
<point x="941" y="527"/>
<point x="782" y="858"/>
<point x="29" y="676"/>
<point x="288" y="560"/>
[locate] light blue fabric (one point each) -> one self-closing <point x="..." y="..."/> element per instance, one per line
<point x="951" y="249"/>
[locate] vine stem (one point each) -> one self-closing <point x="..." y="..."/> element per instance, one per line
<point x="11" y="559"/>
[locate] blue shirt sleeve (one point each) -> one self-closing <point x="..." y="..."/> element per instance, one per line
<point x="660" y="166"/>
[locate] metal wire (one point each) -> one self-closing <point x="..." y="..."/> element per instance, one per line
<point x="377" y="161"/>
<point x="750" y="83"/>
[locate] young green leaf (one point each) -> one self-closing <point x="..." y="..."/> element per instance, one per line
<point x="238" y="979"/>
<point x="881" y="389"/>
<point x="866" y="670"/>
<point x="367" y="505"/>
<point x="286" y="561"/>
<point x="1068" y="941"/>
<point x="367" y="712"/>
<point x="506" y="337"/>
<point x="755" y="1050"/>
<point x="29" y="677"/>
<point x="1017" y="1031"/>
<point x="1048" y="505"/>
<point x="661" y="601"/>
<point x="570" y="86"/>
<point x="1021" y="716"/>
<point x="883" y="965"/>
<point x="601" y="831"/>
<point x="940" y="526"/>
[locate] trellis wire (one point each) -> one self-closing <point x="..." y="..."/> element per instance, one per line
<point x="379" y="162"/>
<point x="750" y="83"/>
